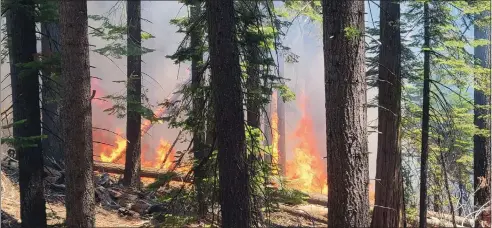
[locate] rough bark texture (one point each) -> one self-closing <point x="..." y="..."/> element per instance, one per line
<point x="346" y="117"/>
<point x="134" y="94"/>
<point x="199" y="147"/>
<point x="25" y="99"/>
<point x="234" y="193"/>
<point x="50" y="93"/>
<point x="425" y="122"/>
<point x="481" y="146"/>
<point x="76" y="114"/>
<point x="253" y="86"/>
<point x="389" y="189"/>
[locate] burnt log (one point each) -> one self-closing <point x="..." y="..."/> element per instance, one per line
<point x="145" y="172"/>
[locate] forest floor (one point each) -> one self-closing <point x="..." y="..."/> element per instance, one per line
<point x="55" y="209"/>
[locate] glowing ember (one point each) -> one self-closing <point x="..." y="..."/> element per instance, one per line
<point x="306" y="171"/>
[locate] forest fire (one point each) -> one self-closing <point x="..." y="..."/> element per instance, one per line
<point x="162" y="158"/>
<point x="305" y="171"/>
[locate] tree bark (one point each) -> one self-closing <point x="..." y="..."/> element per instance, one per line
<point x="234" y="192"/>
<point x="25" y="99"/>
<point x="389" y="189"/>
<point x="50" y="47"/>
<point x="481" y="144"/>
<point x="76" y="114"/>
<point x="199" y="146"/>
<point x="425" y="121"/>
<point x="346" y="113"/>
<point x="134" y="96"/>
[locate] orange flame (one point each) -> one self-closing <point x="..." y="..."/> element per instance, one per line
<point x="306" y="171"/>
<point x="162" y="158"/>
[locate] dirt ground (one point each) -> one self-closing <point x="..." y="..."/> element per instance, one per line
<point x="55" y="210"/>
<point x="10" y="208"/>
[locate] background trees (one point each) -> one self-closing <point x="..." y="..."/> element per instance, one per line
<point x="429" y="66"/>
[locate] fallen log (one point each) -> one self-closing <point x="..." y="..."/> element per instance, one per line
<point x="318" y="199"/>
<point x="144" y="172"/>
<point x="439" y="218"/>
<point x="459" y="220"/>
<point x="303" y="214"/>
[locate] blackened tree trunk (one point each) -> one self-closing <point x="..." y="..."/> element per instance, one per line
<point x="50" y="93"/>
<point x="134" y="95"/>
<point x="481" y="143"/>
<point x="253" y="85"/>
<point x="346" y="116"/>
<point x="76" y="114"/>
<point x="234" y="193"/>
<point x="389" y="191"/>
<point x="425" y="121"/>
<point x="26" y="111"/>
<point x="199" y="148"/>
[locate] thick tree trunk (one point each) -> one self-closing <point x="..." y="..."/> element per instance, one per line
<point x="199" y="148"/>
<point x="481" y="148"/>
<point x="425" y="121"/>
<point x="134" y="96"/>
<point x="234" y="193"/>
<point x="346" y="116"/>
<point x="50" y="47"/>
<point x="253" y="86"/>
<point x="389" y="189"/>
<point x="26" y="111"/>
<point x="76" y="114"/>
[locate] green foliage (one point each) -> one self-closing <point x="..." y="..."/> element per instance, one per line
<point x="23" y="142"/>
<point x="290" y="196"/>
<point x="162" y="180"/>
<point x="352" y="33"/>
<point x="116" y="36"/>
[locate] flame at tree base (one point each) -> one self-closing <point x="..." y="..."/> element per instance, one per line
<point x="306" y="171"/>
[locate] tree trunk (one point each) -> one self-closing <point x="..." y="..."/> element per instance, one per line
<point x="253" y="83"/>
<point x="50" y="47"/>
<point x="234" y="193"/>
<point x="389" y="189"/>
<point x="425" y="121"/>
<point x="25" y="99"/>
<point x="346" y="113"/>
<point x="281" y="126"/>
<point x="463" y="197"/>
<point x="481" y="144"/>
<point x="199" y="148"/>
<point x="134" y="96"/>
<point x="76" y="114"/>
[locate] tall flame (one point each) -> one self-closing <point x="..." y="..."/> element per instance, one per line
<point x="306" y="171"/>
